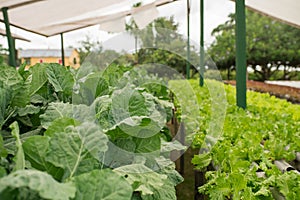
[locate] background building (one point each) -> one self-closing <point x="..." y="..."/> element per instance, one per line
<point x="33" y="56"/>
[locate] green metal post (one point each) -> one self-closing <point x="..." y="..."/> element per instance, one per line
<point x="10" y="40"/>
<point x="188" y="41"/>
<point x="202" y="56"/>
<point x="241" y="65"/>
<point x="62" y="49"/>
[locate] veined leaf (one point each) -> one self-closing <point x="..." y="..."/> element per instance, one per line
<point x="120" y="152"/>
<point x="10" y="77"/>
<point x="129" y="102"/>
<point x="19" y="157"/>
<point x="60" y="78"/>
<point x="9" y="144"/>
<point x="90" y="88"/>
<point x="38" y="78"/>
<point x="5" y="97"/>
<point x="202" y="160"/>
<point x="150" y="145"/>
<point x="142" y="178"/>
<point x="102" y="108"/>
<point x="40" y="182"/>
<point x="22" y="71"/>
<point x="167" y="147"/>
<point x="167" y="167"/>
<point x="102" y="184"/>
<point x="29" y="109"/>
<point x="77" y="150"/>
<point x="35" y="149"/>
<point x="59" y="125"/>
<point x="3" y="151"/>
<point x="136" y="126"/>
<point x="58" y="110"/>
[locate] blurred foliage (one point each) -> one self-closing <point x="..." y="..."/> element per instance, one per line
<point x="161" y="43"/>
<point x="271" y="46"/>
<point x="3" y="55"/>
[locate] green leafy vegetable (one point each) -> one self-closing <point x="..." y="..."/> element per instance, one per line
<point x="35" y="149"/>
<point x="19" y="158"/>
<point x="77" y="150"/>
<point x="40" y="182"/>
<point x="102" y="184"/>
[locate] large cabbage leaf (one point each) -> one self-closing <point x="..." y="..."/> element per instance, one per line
<point x="102" y="184"/>
<point x="40" y="182"/>
<point x="78" y="150"/>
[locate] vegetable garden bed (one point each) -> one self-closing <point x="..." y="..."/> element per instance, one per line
<point x="85" y="135"/>
<point x="285" y="92"/>
<point x="69" y="134"/>
<point x="268" y="130"/>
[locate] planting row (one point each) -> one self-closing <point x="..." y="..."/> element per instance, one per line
<point x="85" y="134"/>
<point x="253" y="149"/>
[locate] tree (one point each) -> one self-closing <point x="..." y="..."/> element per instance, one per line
<point x="92" y="52"/>
<point x="161" y="43"/>
<point x="88" y="46"/>
<point x="3" y="55"/>
<point x="271" y="46"/>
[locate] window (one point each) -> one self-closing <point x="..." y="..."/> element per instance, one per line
<point x="27" y="61"/>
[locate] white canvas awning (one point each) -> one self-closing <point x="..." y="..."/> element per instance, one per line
<point x="52" y="17"/>
<point x="15" y="36"/>
<point x="15" y="3"/>
<point x="287" y="11"/>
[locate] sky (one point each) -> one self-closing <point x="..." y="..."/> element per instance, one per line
<point x="216" y="12"/>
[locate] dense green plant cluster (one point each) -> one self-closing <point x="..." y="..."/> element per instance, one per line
<point x="252" y="139"/>
<point x="84" y="134"/>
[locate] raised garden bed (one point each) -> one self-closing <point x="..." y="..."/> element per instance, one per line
<point x="291" y="94"/>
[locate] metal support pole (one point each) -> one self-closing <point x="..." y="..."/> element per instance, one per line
<point x="241" y="65"/>
<point x="182" y="141"/>
<point x="202" y="56"/>
<point x="10" y="40"/>
<point x="62" y="49"/>
<point x="188" y="41"/>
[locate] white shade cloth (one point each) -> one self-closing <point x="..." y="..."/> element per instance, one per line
<point x="144" y="15"/>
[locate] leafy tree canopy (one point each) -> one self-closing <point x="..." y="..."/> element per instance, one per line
<point x="271" y="46"/>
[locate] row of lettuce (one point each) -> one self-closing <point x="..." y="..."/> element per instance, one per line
<point x="85" y="134"/>
<point x="250" y="142"/>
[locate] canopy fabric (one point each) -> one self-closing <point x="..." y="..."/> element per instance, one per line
<point x="15" y="36"/>
<point x="52" y="17"/>
<point x="15" y="3"/>
<point x="286" y="11"/>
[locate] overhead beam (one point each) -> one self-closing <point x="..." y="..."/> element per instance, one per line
<point x="241" y="64"/>
<point x="15" y="36"/>
<point x="10" y="40"/>
<point x="23" y="4"/>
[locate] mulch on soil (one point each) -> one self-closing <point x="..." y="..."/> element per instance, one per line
<point x="291" y="94"/>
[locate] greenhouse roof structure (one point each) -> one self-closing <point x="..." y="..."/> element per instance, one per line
<point x="286" y="11"/>
<point x="15" y="36"/>
<point x="52" y="17"/>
